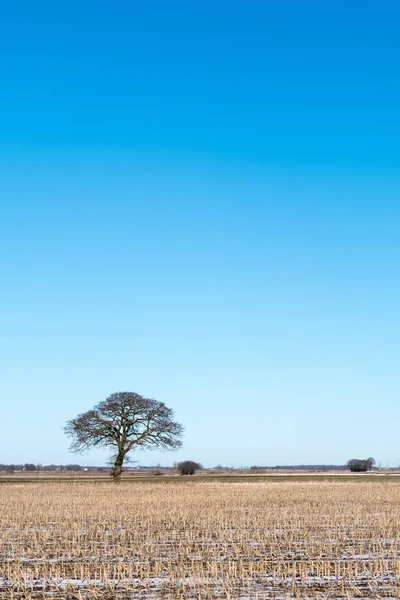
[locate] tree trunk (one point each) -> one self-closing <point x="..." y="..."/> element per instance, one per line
<point x="117" y="470"/>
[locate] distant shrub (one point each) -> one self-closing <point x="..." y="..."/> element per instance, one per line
<point x="188" y="467"/>
<point x="357" y="465"/>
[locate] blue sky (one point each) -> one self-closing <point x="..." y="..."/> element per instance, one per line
<point x="200" y="203"/>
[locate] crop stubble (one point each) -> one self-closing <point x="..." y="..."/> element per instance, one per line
<point x="200" y="540"/>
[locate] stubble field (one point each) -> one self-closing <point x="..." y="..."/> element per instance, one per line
<point x="200" y="540"/>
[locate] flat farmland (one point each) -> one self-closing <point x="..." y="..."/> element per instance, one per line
<point x="200" y="540"/>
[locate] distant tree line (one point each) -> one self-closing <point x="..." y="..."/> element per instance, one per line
<point x="189" y="467"/>
<point x="30" y="467"/>
<point x="256" y="468"/>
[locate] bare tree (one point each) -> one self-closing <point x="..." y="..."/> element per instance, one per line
<point x="122" y="422"/>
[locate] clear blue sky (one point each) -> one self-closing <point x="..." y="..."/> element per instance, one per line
<point x="200" y="203"/>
